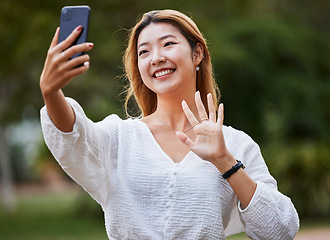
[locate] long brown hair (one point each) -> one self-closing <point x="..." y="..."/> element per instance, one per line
<point x="147" y="99"/>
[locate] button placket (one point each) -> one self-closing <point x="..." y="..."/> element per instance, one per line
<point x="170" y="193"/>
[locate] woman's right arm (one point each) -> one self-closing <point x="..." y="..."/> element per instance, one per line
<point x="59" y="69"/>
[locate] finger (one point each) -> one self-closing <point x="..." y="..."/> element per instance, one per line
<point x="187" y="141"/>
<point x="221" y="114"/>
<point x="55" y="38"/>
<point x="75" y="62"/>
<point x="200" y="107"/>
<point x="210" y="103"/>
<point x="67" y="76"/>
<point x="190" y="116"/>
<point x="75" y="72"/>
<point x="70" y="39"/>
<point x="84" y="47"/>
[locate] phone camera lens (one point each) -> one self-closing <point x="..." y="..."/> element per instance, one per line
<point x="66" y="14"/>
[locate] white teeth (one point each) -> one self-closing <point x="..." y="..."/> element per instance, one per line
<point x="162" y="73"/>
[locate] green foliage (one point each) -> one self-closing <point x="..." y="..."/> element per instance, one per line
<point x="266" y="64"/>
<point x="276" y="73"/>
<point x="85" y="206"/>
<point x="303" y="173"/>
<point x="270" y="59"/>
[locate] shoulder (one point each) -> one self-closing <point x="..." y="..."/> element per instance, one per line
<point x="238" y="141"/>
<point x="245" y="149"/>
<point x="111" y="124"/>
<point x="127" y="126"/>
<point x="232" y="134"/>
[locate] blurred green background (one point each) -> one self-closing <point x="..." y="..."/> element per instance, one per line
<point x="271" y="61"/>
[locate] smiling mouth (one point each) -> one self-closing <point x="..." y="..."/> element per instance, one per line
<point x="163" y="73"/>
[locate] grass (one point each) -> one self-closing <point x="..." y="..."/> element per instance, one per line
<point x="49" y="216"/>
<point x="240" y="236"/>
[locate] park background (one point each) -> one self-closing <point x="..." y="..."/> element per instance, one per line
<point x="271" y="61"/>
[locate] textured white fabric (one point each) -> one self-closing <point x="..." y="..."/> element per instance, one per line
<point x="145" y="195"/>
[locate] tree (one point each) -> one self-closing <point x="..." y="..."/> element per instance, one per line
<point x="270" y="60"/>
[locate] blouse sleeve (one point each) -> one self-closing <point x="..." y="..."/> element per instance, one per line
<point x="270" y="214"/>
<point x="83" y="153"/>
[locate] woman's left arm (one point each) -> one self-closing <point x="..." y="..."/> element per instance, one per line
<point x="270" y="214"/>
<point x="261" y="205"/>
<point x="210" y="146"/>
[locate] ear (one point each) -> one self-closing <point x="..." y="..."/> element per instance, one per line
<point x="198" y="54"/>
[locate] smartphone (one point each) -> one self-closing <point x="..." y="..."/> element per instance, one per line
<point x="72" y="17"/>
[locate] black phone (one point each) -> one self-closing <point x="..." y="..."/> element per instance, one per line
<point x="72" y="17"/>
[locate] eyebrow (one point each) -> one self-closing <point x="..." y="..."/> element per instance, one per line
<point x="160" y="39"/>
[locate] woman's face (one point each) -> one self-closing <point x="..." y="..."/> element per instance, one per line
<point x="165" y="59"/>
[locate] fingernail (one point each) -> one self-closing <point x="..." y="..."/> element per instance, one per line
<point x="79" y="28"/>
<point x="86" y="64"/>
<point x="90" y="45"/>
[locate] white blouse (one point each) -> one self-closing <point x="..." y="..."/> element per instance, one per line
<point x="145" y="195"/>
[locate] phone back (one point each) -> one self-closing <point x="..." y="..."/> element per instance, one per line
<point x="72" y="17"/>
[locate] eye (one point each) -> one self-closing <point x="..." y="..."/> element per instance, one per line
<point x="169" y="44"/>
<point x="142" y="52"/>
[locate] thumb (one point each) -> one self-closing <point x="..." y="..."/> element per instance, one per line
<point x="186" y="140"/>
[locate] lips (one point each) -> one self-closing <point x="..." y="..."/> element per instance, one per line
<point x="161" y="73"/>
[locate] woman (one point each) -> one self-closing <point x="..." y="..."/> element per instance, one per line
<point x="173" y="173"/>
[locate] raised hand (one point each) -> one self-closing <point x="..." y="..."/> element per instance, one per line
<point x="59" y="69"/>
<point x="209" y="144"/>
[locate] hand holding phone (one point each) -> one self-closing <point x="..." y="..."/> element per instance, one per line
<point x="72" y="17"/>
<point x="65" y="61"/>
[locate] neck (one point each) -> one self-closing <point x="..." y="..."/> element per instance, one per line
<point x="170" y="114"/>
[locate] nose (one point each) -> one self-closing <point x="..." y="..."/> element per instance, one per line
<point x="157" y="58"/>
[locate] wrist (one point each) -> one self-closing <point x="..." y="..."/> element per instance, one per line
<point x="52" y="96"/>
<point x="225" y="163"/>
<point x="234" y="169"/>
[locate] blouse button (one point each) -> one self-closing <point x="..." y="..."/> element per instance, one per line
<point x="170" y="194"/>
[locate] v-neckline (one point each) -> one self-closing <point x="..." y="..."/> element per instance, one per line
<point x="160" y="148"/>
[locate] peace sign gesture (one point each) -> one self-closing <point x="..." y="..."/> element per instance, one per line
<point x="209" y="144"/>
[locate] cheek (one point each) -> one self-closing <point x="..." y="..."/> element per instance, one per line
<point x="184" y="58"/>
<point x="142" y="66"/>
